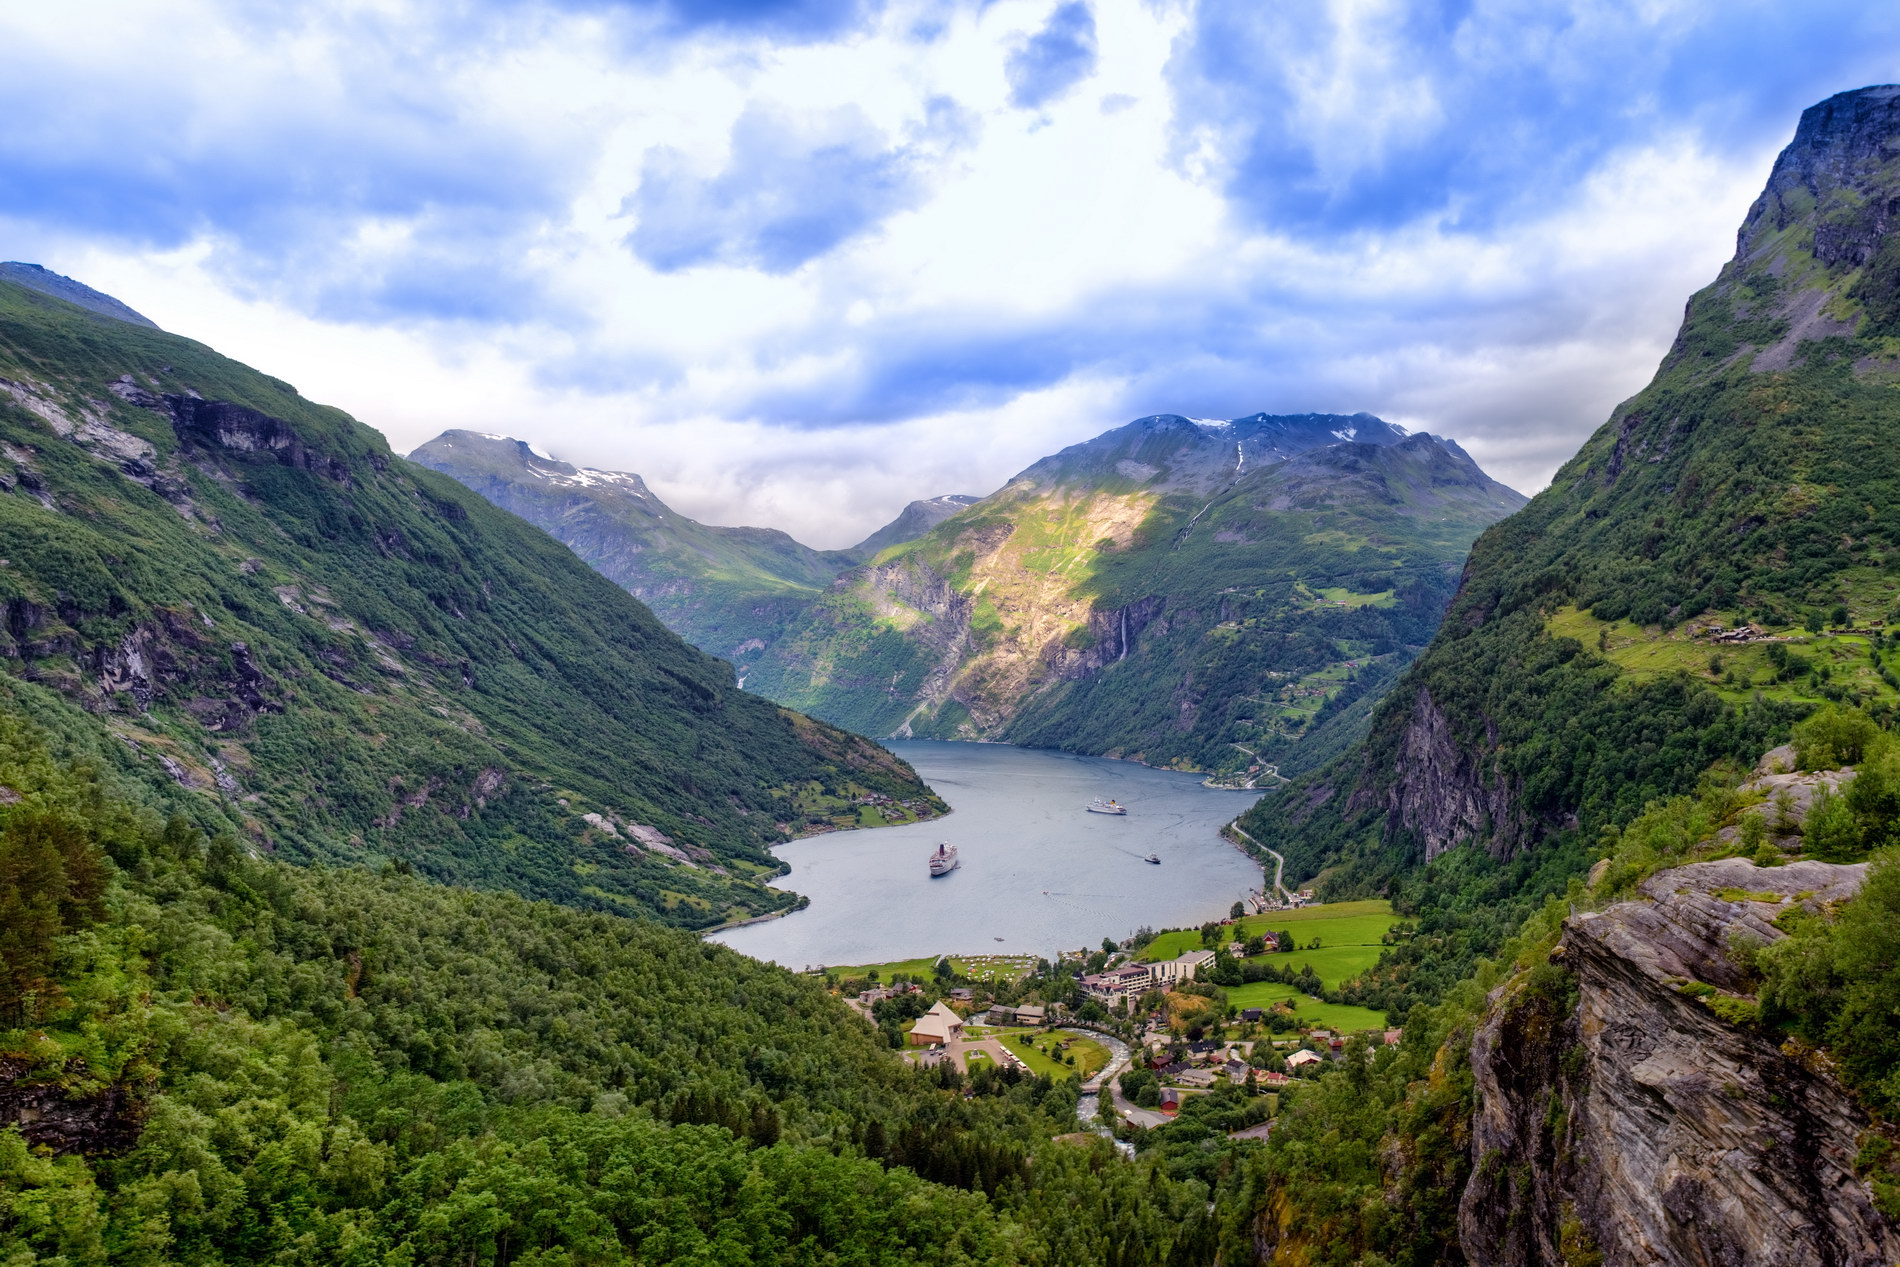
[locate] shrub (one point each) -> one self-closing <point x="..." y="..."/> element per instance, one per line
<point x="1833" y="736"/>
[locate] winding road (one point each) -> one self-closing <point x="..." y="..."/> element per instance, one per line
<point x="1279" y="863"/>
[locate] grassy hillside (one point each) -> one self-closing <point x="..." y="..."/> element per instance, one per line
<point x="347" y="657"/>
<point x="1189" y="595"/>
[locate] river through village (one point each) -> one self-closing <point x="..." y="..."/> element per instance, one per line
<point x="1038" y="873"/>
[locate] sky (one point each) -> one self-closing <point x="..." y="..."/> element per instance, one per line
<point x="800" y="261"/>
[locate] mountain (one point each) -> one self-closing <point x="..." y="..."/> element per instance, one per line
<point x="728" y="591"/>
<point x="911" y="523"/>
<point x="1716" y="560"/>
<point x="1659" y="966"/>
<point x="348" y="657"/>
<point x="1206" y="595"/>
<point x="47" y="282"/>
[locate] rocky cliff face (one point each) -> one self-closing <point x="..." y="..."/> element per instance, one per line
<point x="1447" y="796"/>
<point x="51" y="1116"/>
<point x="1623" y="1116"/>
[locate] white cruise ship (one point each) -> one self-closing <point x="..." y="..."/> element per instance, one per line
<point x="944" y="861"/>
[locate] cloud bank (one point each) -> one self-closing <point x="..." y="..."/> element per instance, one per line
<point x="800" y="261"/>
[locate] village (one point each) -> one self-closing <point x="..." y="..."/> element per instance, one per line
<point x="1230" y="1014"/>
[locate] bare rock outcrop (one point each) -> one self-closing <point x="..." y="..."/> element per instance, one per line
<point x="1620" y="1114"/>
<point x="52" y="1116"/>
<point x="1442" y="794"/>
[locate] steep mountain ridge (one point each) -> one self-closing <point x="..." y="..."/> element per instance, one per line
<point x="47" y="282"/>
<point x="348" y="657"/>
<point x="1715" y="560"/>
<point x="1193" y="593"/>
<point x="726" y="590"/>
<point x="911" y="523"/>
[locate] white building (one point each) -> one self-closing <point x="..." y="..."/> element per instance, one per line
<point x="1180" y="968"/>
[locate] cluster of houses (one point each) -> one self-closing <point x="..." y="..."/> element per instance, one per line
<point x="1741" y="633"/>
<point x="941" y="1025"/>
<point x="1204" y="1063"/>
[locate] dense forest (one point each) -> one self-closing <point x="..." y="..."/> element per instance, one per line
<point x="235" y="1061"/>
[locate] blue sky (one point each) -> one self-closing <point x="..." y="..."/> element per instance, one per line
<point x="798" y="261"/>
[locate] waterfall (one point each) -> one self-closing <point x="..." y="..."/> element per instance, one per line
<point x="1124" y="654"/>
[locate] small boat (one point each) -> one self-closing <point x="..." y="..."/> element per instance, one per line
<point x="1110" y="806"/>
<point x="996" y="939"/>
<point x="944" y="861"/>
<point x="1152" y="858"/>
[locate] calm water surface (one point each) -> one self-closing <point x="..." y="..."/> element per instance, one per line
<point x="1036" y="869"/>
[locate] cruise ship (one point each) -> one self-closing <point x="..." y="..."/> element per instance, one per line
<point x="944" y="861"/>
<point x="1110" y="806"/>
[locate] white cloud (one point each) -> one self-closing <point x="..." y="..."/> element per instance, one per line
<point x="422" y="219"/>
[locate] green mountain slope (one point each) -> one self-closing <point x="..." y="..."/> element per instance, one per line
<point x="1590" y="662"/>
<point x="350" y="657"/>
<point x="224" y="1060"/>
<point x="1195" y="594"/>
<point x="729" y="591"/>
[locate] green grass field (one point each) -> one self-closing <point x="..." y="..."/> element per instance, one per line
<point x="1336" y="924"/>
<point x="1334" y="964"/>
<point x="1340" y="594"/>
<point x="1739" y="671"/>
<point x="977" y="968"/>
<point x="1089" y="1055"/>
<point x="1343" y="1017"/>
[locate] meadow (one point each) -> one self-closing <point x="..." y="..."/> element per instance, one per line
<point x="974" y="968"/>
<point x="1343" y="1017"/>
<point x="1336" y="925"/>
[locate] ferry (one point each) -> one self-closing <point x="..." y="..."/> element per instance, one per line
<point x="1154" y="858"/>
<point x="1110" y="806"/>
<point x="944" y="861"/>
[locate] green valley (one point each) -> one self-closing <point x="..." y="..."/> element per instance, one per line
<point x="1205" y="596"/>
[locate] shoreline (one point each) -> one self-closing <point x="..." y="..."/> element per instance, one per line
<point x="766" y="918"/>
<point x="1217" y="905"/>
<point x="1205" y="775"/>
<point x="804" y="899"/>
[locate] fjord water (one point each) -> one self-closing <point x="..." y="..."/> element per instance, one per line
<point x="1037" y="869"/>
